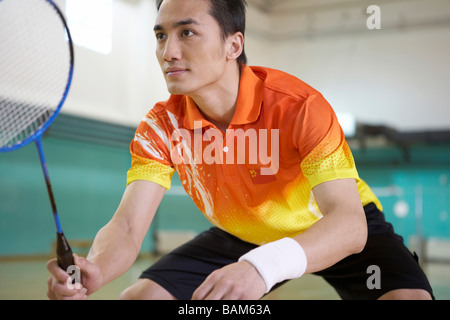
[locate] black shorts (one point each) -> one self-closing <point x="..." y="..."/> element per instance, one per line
<point x="183" y="270"/>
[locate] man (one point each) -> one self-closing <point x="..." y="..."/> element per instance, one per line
<point x="302" y="210"/>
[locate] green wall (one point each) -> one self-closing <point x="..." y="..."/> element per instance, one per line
<point x="420" y="179"/>
<point x="88" y="176"/>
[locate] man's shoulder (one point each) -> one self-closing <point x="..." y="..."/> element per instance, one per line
<point x="282" y="82"/>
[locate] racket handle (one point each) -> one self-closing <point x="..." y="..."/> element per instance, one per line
<point x="63" y="252"/>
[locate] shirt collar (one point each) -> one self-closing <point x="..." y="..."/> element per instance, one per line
<point x="248" y="106"/>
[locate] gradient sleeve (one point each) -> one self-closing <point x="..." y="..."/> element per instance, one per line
<point x="150" y="154"/>
<point x="324" y="151"/>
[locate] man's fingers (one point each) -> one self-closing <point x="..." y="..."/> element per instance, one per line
<point x="80" y="295"/>
<point x="56" y="271"/>
<point x="217" y="287"/>
<point x="51" y="295"/>
<point x="217" y="292"/>
<point x="60" y="284"/>
<point x="239" y="281"/>
<point x="58" y="289"/>
<point x="202" y="291"/>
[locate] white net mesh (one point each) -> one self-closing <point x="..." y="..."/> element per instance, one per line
<point x="35" y="63"/>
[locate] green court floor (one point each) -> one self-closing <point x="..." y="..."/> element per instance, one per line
<point x="27" y="280"/>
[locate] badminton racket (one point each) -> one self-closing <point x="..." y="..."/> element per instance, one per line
<point x="36" y="69"/>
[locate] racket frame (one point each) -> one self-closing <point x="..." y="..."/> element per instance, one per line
<point x="63" y="250"/>
<point x="40" y="132"/>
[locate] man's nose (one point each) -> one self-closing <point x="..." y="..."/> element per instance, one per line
<point x="172" y="50"/>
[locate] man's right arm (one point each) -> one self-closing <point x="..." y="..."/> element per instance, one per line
<point x="117" y="245"/>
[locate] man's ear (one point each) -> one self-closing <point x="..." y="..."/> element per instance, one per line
<point x="235" y="46"/>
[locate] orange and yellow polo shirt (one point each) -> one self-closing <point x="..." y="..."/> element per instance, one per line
<point x="255" y="180"/>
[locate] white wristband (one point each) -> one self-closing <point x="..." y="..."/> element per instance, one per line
<point x="278" y="261"/>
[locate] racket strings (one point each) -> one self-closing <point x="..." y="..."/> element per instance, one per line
<point x="35" y="63"/>
<point x="20" y="121"/>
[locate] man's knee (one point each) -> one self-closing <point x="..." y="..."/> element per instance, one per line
<point x="407" y="294"/>
<point x="145" y="289"/>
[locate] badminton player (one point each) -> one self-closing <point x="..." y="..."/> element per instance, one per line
<point x="292" y="204"/>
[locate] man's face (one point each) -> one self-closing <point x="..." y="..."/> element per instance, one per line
<point x="190" y="48"/>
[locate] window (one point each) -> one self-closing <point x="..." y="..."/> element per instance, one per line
<point x="91" y="23"/>
<point x="348" y="124"/>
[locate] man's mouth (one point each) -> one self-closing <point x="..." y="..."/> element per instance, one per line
<point x="175" y="72"/>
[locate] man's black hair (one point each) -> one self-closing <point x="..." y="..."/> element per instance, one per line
<point x="231" y="16"/>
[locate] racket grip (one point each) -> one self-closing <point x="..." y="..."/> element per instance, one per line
<point x="64" y="254"/>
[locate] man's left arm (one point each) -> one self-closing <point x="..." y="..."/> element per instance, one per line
<point x="340" y="233"/>
<point x="343" y="229"/>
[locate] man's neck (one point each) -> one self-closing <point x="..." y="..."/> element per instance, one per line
<point x="217" y="103"/>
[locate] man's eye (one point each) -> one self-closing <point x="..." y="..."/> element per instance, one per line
<point x="187" y="33"/>
<point x="160" y="36"/>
